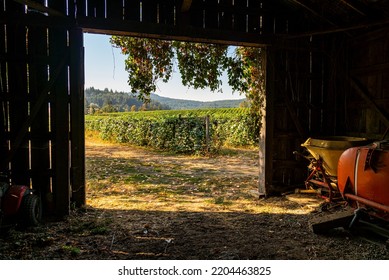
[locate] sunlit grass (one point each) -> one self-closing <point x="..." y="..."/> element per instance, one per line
<point x="148" y="181"/>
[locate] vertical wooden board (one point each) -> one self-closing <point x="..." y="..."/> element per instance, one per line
<point x="265" y="174"/>
<point x="59" y="102"/>
<point x="115" y="9"/>
<point x="38" y="79"/>
<point x="376" y="51"/>
<point x="149" y="11"/>
<point x="77" y="117"/>
<point x="196" y="14"/>
<point x="372" y="122"/>
<point x="72" y="8"/>
<point x="81" y="8"/>
<point x="3" y="100"/>
<point x="316" y="106"/>
<point x="211" y="14"/>
<point x="254" y="18"/>
<point x="268" y="18"/>
<point x="14" y="8"/>
<point x="96" y="8"/>
<point x="167" y="11"/>
<point x="132" y="10"/>
<point x="59" y="5"/>
<point x="280" y="122"/>
<point x="240" y="13"/>
<point x="18" y="103"/>
<point x="225" y="14"/>
<point x="385" y="83"/>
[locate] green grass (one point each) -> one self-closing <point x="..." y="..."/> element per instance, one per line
<point x="214" y="112"/>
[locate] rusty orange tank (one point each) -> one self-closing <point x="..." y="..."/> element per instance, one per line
<point x="363" y="177"/>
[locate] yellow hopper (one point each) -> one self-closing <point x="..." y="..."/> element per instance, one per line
<point x="329" y="149"/>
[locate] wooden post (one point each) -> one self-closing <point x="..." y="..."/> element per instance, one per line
<point x="59" y="110"/>
<point x="77" y="119"/>
<point x="39" y="116"/>
<point x="3" y="110"/>
<point x="207" y="135"/>
<point x="266" y="132"/>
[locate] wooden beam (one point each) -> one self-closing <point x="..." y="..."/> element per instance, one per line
<point x="351" y="6"/>
<point x="312" y="11"/>
<point x="185" y="7"/>
<point x="40" y="8"/>
<point x="169" y="32"/>
<point x="337" y="30"/>
<point x="364" y="93"/>
<point x="266" y="137"/>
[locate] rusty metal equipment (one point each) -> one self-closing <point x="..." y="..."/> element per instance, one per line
<point x="359" y="176"/>
<point x="363" y="178"/>
<point x="324" y="155"/>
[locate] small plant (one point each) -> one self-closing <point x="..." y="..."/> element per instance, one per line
<point x="74" y="251"/>
<point x="219" y="200"/>
<point x="102" y="230"/>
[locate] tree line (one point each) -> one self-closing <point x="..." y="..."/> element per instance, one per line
<point x="108" y="101"/>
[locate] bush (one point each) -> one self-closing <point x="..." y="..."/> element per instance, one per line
<point x="178" y="131"/>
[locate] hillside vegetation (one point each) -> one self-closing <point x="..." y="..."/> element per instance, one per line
<point x="180" y="104"/>
<point x="180" y="131"/>
<point x="107" y="100"/>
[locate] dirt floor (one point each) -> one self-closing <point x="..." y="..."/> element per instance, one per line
<point x="143" y="204"/>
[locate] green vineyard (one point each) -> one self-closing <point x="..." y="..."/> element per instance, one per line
<point x="181" y="131"/>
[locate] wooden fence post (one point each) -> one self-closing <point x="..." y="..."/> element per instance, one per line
<point x="207" y="137"/>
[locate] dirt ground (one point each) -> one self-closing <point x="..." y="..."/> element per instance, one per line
<point x="143" y="204"/>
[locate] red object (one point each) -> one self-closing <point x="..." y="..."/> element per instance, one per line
<point x="363" y="177"/>
<point x="13" y="199"/>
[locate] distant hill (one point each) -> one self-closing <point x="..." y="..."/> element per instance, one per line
<point x="177" y="104"/>
<point x="121" y="101"/>
<point x="124" y="101"/>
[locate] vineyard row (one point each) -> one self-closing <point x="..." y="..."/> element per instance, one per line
<point x="181" y="131"/>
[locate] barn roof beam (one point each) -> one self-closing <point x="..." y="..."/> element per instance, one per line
<point x="41" y="8"/>
<point x="313" y="12"/>
<point x="337" y="30"/>
<point x="352" y="6"/>
<point x="169" y="32"/>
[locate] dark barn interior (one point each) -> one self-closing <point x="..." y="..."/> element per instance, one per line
<point x="327" y="73"/>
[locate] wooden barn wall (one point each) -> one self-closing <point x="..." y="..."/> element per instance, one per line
<point x="366" y="98"/>
<point x="227" y="21"/>
<point x="41" y="76"/>
<point x="297" y="87"/>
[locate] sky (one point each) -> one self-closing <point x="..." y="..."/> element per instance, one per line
<point x="104" y="68"/>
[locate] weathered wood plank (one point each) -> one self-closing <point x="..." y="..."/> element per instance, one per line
<point x="18" y="103"/>
<point x="3" y="102"/>
<point x="149" y="11"/>
<point x="59" y="102"/>
<point x="40" y="127"/>
<point x="167" y="32"/>
<point x="211" y="15"/>
<point x="115" y="9"/>
<point x="77" y="117"/>
<point x="132" y="10"/>
<point x="364" y="93"/>
<point x="96" y="8"/>
<point x="167" y="13"/>
<point x="323" y="224"/>
<point x="265" y="173"/>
